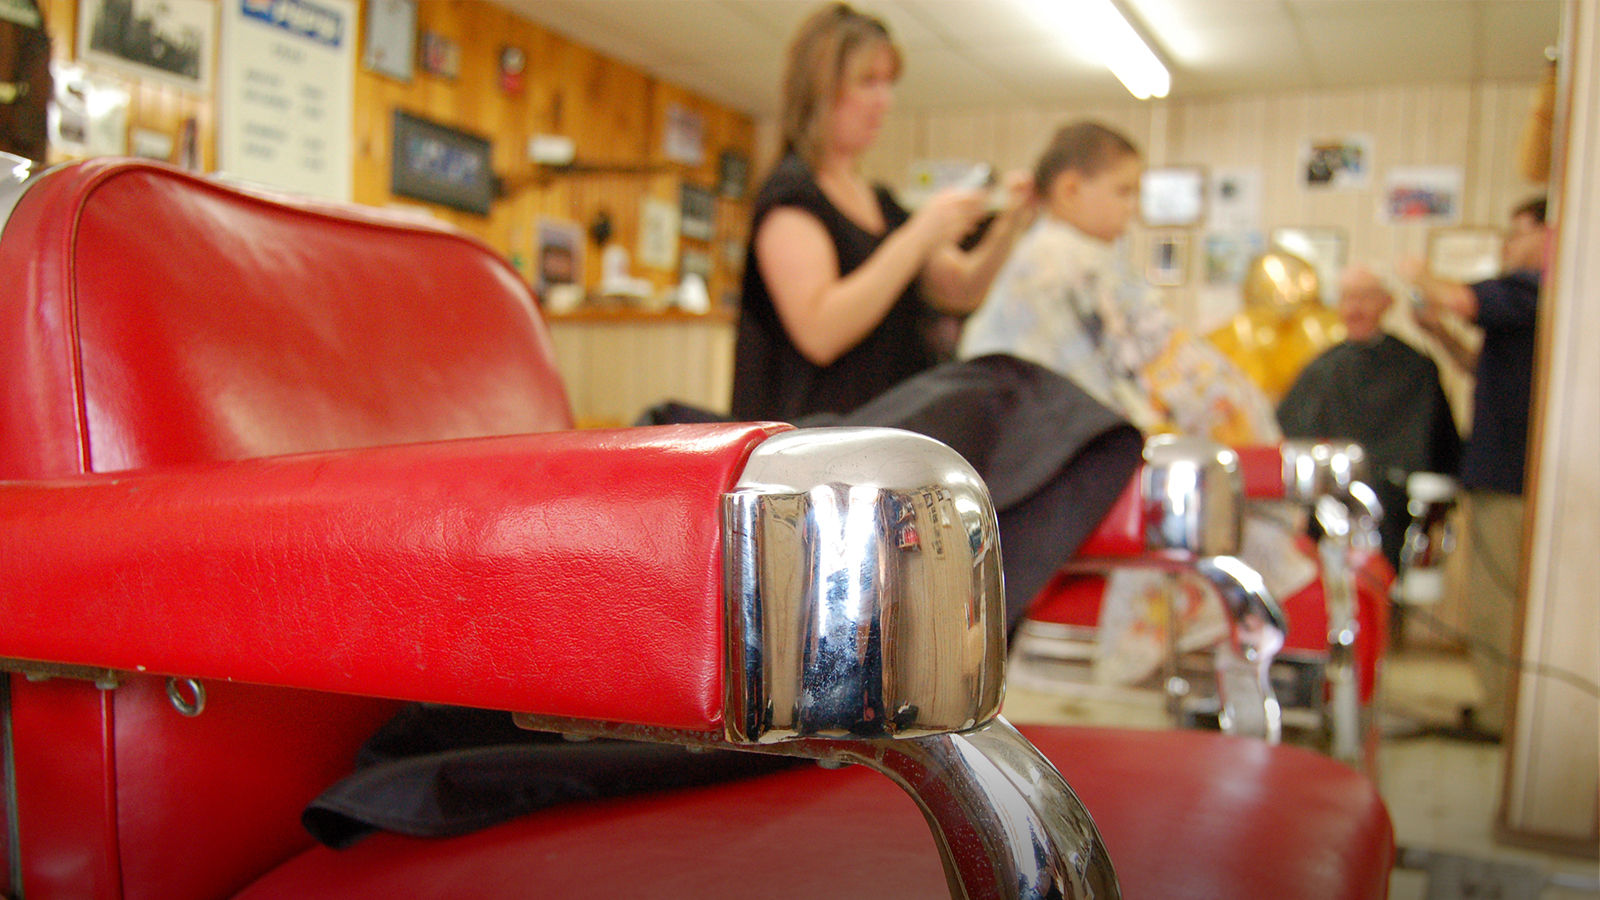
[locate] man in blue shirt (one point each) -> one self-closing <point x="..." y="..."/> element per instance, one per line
<point x="1505" y="310"/>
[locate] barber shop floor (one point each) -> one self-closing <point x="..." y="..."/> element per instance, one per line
<point x="1441" y="783"/>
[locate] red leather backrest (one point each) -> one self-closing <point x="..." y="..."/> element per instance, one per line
<point x="153" y="317"/>
<point x="150" y="317"/>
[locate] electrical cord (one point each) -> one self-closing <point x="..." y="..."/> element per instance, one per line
<point x="1496" y="654"/>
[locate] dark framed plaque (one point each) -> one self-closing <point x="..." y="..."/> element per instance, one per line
<point x="698" y="212"/>
<point x="442" y="165"/>
<point x="733" y="174"/>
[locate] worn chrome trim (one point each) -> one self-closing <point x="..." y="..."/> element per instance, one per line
<point x="863" y="587"/>
<point x="1192" y="496"/>
<point x="1332" y="479"/>
<point x="1313" y="470"/>
<point x="14" y="174"/>
<point x="1249" y="705"/>
<point x="1194" y="506"/>
<point x="1342" y="717"/>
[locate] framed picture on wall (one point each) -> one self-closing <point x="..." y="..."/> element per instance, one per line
<point x="733" y="174"/>
<point x="440" y="164"/>
<point x="698" y="214"/>
<point x="560" y="255"/>
<point x="1172" y="197"/>
<point x="391" y="37"/>
<point x="1464" y="254"/>
<point x="169" y="40"/>
<point x="1168" y="265"/>
<point x="1324" y="248"/>
<point x="1336" y="162"/>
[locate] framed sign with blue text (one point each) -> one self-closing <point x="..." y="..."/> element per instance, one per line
<point x="442" y="165"/>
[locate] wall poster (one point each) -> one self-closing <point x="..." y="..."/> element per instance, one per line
<point x="1426" y="194"/>
<point x="1337" y="162"/>
<point x="286" y="110"/>
<point x="169" y="40"/>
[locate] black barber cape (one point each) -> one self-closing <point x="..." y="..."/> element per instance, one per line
<point x="1386" y="396"/>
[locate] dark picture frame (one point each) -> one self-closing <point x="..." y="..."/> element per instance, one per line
<point x="172" y="41"/>
<point x="733" y="174"/>
<point x="440" y="164"/>
<point x="697" y="212"/>
<point x="1168" y="263"/>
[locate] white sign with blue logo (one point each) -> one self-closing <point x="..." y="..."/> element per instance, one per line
<point x="288" y="77"/>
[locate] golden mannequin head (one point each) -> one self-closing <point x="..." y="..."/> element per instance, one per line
<point x="1278" y="284"/>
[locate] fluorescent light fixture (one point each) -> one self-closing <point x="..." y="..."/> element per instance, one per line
<point x="1098" y="29"/>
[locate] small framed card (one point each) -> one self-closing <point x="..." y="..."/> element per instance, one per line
<point x="391" y="37"/>
<point x="1168" y="265"/>
<point x="1464" y="254"/>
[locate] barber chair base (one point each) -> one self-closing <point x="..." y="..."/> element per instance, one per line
<point x="1184" y="815"/>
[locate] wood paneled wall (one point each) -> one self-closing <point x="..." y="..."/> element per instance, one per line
<point x="615" y="114"/>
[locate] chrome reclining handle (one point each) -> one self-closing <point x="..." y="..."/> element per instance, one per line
<point x="1332" y="479"/>
<point x="1315" y="471"/>
<point x="1194" y="502"/>
<point x="866" y="625"/>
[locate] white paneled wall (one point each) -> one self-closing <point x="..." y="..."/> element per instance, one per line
<point x="1472" y="127"/>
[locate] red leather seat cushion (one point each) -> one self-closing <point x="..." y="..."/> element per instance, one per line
<point x="1184" y="815"/>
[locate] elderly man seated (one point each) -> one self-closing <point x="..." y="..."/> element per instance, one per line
<point x="1376" y="389"/>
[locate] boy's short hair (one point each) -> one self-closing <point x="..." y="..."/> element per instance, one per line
<point x="1084" y="147"/>
<point x="1533" y="208"/>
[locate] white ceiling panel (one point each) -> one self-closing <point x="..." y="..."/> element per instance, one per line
<point x="955" y="80"/>
<point x="983" y="52"/>
<point x="1388" y="46"/>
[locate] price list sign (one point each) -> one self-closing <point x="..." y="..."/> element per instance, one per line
<point x="286" y="113"/>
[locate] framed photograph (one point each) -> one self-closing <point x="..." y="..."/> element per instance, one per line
<point x="1424" y="194"/>
<point x="1172" y="197"/>
<point x="440" y="164"/>
<point x="1340" y="162"/>
<point x="733" y="174"/>
<point x="685" y="136"/>
<point x="1324" y="248"/>
<point x="168" y="40"/>
<point x="698" y="216"/>
<point x="1464" y="254"/>
<point x="1168" y="265"/>
<point x="1228" y="254"/>
<point x="391" y="37"/>
<point x="560" y="255"/>
<point x="439" y="55"/>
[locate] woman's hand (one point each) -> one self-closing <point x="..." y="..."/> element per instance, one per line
<point x="948" y="216"/>
<point x="957" y="281"/>
<point x="1021" y="198"/>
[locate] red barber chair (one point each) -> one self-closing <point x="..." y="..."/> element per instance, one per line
<point x="274" y="466"/>
<point x="1325" y="676"/>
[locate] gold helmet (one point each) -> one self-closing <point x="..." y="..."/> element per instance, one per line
<point x="1278" y="284"/>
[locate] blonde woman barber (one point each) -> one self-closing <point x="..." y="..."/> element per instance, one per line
<point x="840" y="281"/>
